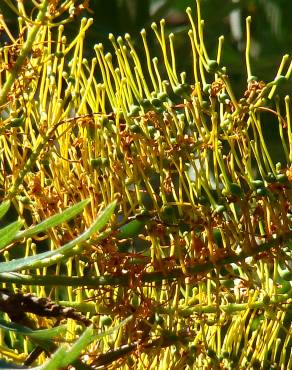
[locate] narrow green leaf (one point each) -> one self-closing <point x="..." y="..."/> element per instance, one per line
<point x="104" y="217"/>
<point x="96" y="336"/>
<point x="4" y="206"/>
<point x="88" y="336"/>
<point x="7" y="233"/>
<point x="54" y="220"/>
<point x="51" y="257"/>
<point x="45" y="334"/>
<point x="56" y="360"/>
<point x="61" y="359"/>
<point x="73" y="353"/>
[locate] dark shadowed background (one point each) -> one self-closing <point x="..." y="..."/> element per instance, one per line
<point x="271" y="33"/>
<point x="271" y="28"/>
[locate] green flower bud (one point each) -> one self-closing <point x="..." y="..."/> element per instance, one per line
<point x="226" y="124"/>
<point x="257" y="184"/>
<point x="162" y="96"/>
<point x="282" y="178"/>
<point x="98" y="163"/>
<point x="262" y="192"/>
<point x="212" y="66"/>
<point x="211" y="353"/>
<point x="145" y="103"/>
<point x="178" y="90"/>
<point x="156" y="102"/>
<point x="95" y="163"/>
<point x="220" y="208"/>
<point x="205" y="104"/>
<point x="134" y="110"/>
<point x="159" y="110"/>
<point x="59" y="54"/>
<point x="186" y="88"/>
<point x="24" y="199"/>
<point x="16" y="122"/>
<point x="133" y="149"/>
<point x="106" y="320"/>
<point x="136" y="129"/>
<point x="236" y="190"/>
<point x="223" y="97"/>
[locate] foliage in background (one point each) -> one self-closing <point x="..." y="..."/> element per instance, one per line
<point x="271" y="28"/>
<point x="194" y="267"/>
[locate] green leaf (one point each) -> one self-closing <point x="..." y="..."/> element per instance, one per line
<point x="63" y="358"/>
<point x="7" y="233"/>
<point x="56" y="360"/>
<point x="45" y="334"/>
<point x="51" y="257"/>
<point x="103" y="219"/>
<point x="4" y="206"/>
<point x="54" y="220"/>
